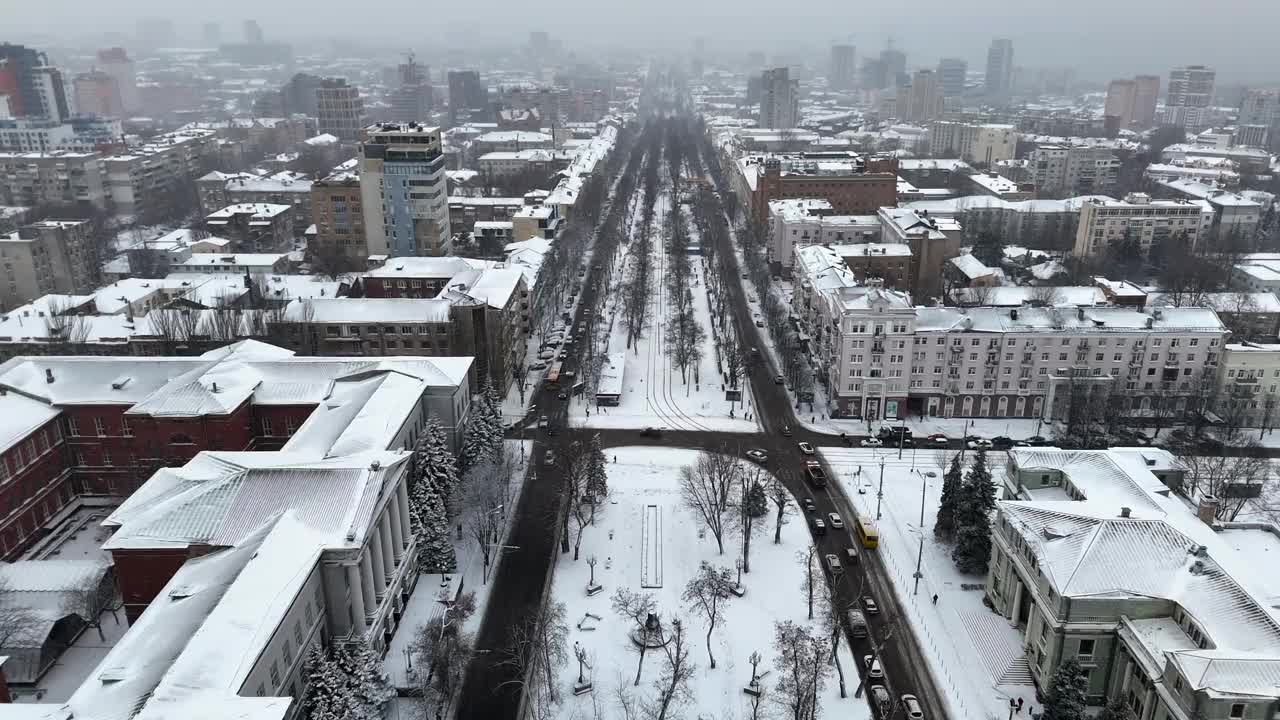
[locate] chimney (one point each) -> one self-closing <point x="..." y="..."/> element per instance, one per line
<point x="215" y="387"/>
<point x="1080" y="314"/>
<point x="1124" y="512"/>
<point x="1207" y="509"/>
<point x="48" y="375"/>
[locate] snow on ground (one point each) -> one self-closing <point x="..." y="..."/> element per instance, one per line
<point x="78" y="537"/>
<point x="644" y="481"/>
<point x="654" y="394"/>
<point x="974" y="655"/>
<point x="426" y="603"/>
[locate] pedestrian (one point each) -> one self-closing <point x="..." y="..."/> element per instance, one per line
<point x="615" y="459"/>
<point x="935" y="599"/>
<point x="1019" y="705"/>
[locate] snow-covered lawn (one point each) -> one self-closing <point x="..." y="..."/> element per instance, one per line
<point x="654" y="393"/>
<point x="644" y="481"/>
<point x="426" y="603"/>
<point x="974" y="655"/>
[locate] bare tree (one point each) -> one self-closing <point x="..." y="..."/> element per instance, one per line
<point x="539" y="646"/>
<point x="441" y="651"/>
<point x="706" y="487"/>
<point x="94" y="601"/>
<point x="1232" y="480"/>
<point x="802" y="670"/>
<point x="707" y="592"/>
<point x="673" y="685"/>
<point x="809" y="559"/>
<point x="1045" y="296"/>
<point x="173" y="327"/>
<point x="781" y="498"/>
<point x="639" y="608"/>
<point x="574" y="461"/>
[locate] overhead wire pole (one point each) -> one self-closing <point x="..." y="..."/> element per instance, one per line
<point x="880" y="492"/>
<point x="920" y="553"/>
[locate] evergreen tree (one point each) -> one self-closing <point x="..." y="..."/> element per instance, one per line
<point x="952" y="487"/>
<point x="434" y="463"/>
<point x="483" y="437"/>
<point x="327" y="698"/>
<point x="366" y="684"/>
<point x="1067" y="692"/>
<point x="1115" y="710"/>
<point x="597" y="472"/>
<point x="431" y="528"/>
<point x="757" y="501"/>
<point x="972" y="552"/>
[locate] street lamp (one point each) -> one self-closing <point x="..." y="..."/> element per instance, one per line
<point x="920" y="551"/>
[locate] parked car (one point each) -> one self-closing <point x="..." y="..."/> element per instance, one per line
<point x="857" y="623"/>
<point x="1037" y="441"/>
<point x="979" y="444"/>
<point x="872" y="442"/>
<point x="1000" y="442"/>
<point x="911" y="707"/>
<point x="806" y="448"/>
<point x="563" y="395"/>
<point x="549" y="458"/>
<point x="808" y="504"/>
<point x="836" y="521"/>
<point x="939" y="440"/>
<point x="869" y="604"/>
<point x="759" y="456"/>
<point x="873" y="666"/>
<point x="833" y="562"/>
<point x="884" y="704"/>
<point x="759" y="323"/>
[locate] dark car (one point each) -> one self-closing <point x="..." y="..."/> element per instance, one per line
<point x="651" y="432"/>
<point x="1000" y="442"/>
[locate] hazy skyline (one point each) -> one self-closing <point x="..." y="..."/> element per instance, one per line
<point x="1098" y="38"/>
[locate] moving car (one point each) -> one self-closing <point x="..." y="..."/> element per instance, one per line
<point x="563" y="395"/>
<point x="542" y="421"/>
<point x="1000" y="442"/>
<point x="806" y="448"/>
<point x="819" y="527"/>
<point x="759" y="456"/>
<point x="836" y="521"/>
<point x="911" y="707"/>
<point x="778" y="379"/>
<point x="833" y="562"/>
<point x="651" y="432"/>
<point x="549" y="458"/>
<point x="869" y="604"/>
<point x="938" y="439"/>
<point x="816" y="474"/>
<point x="883" y="702"/>
<point x="759" y="323"/>
<point x="872" y="442"/>
<point x="786" y="430"/>
<point x="808" y="504"/>
<point x="873" y="666"/>
<point x="857" y="623"/>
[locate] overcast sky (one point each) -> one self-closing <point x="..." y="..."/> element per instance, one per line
<point x="1100" y="38"/>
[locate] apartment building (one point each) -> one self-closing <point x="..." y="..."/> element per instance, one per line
<point x="932" y="240"/>
<point x="1036" y="224"/>
<point x="403" y="190"/>
<point x="920" y="101"/>
<point x="779" y="99"/>
<point x="96" y="93"/>
<point x="218" y="190"/>
<point x="53" y="178"/>
<point x="854" y="184"/>
<point x="464" y="211"/>
<point x="1107" y="557"/>
<point x="511" y="141"/>
<point x="50" y="256"/>
<point x="1190" y="95"/>
<point x="540" y="163"/>
<point x="340" y="109"/>
<point x="336" y="204"/>
<point x="987" y="144"/>
<point x="809" y="221"/>
<point x="1132" y="102"/>
<point x="253" y="227"/>
<point x="1235" y="217"/>
<point x="1073" y="169"/>
<point x="1140" y="219"/>
<point x="149" y="173"/>
<point x="535" y="221"/>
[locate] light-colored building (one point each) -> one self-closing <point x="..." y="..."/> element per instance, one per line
<point x="999" y="79"/>
<point x="116" y="63"/>
<point x="253" y="227"/>
<point x="218" y="189"/>
<point x="988" y="143"/>
<point x="403" y="190"/>
<point x="1190" y="95"/>
<point x="340" y="109"/>
<point x="841" y="73"/>
<point x="1111" y="558"/>
<point x="511" y="141"/>
<point x="535" y="221"/>
<point x="779" y="99"/>
<point x="96" y="93"/>
<point x="1036" y="224"/>
<point x="996" y="185"/>
<point x="921" y="100"/>
<point x="952" y="74"/>
<point x="808" y="221"/>
<point x="933" y="241"/>
<point x="1073" y="169"/>
<point x="1249" y="384"/>
<point x="1235" y="217"/>
<point x="1139" y="218"/>
<point x="50" y="256"/>
<point x="140" y="181"/>
<point x="53" y="178"/>
<point x="541" y="163"/>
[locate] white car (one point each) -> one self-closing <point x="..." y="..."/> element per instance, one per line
<point x="759" y="456"/>
<point x="872" y="442"/>
<point x="806" y="448"/>
<point x="873" y="666"/>
<point x="836" y="521"/>
<point x="979" y="444"/>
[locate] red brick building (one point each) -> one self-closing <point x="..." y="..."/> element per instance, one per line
<point x="852" y="183"/>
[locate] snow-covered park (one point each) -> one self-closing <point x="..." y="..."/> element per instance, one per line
<point x="974" y="655"/>
<point x="646" y="541"/>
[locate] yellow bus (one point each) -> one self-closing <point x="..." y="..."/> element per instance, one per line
<point x="868" y="533"/>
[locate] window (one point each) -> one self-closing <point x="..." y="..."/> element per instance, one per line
<point x="1237" y="710"/>
<point x="181" y="439"/>
<point x="1085" y="650"/>
<point x="125" y="427"/>
<point x="297" y="627"/>
<point x="266" y="426"/>
<point x="106" y="457"/>
<point x="275" y="674"/>
<point x="73" y="426"/>
<point x="99" y="428"/>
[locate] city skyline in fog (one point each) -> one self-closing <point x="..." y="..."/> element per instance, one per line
<point x="1096" y="38"/>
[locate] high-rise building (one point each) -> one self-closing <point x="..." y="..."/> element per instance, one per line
<point x="51" y="256"/>
<point x="999" y="82"/>
<point x="779" y="99"/>
<point x="253" y="32"/>
<point x="1119" y="108"/>
<point x="467" y="94"/>
<point x="842" y="67"/>
<point x="415" y="97"/>
<point x="339" y="109"/>
<point x="1190" y="92"/>
<point x="300" y="95"/>
<point x="920" y="101"/>
<point x="211" y="34"/>
<point x="1144" y="101"/>
<point x="98" y="94"/>
<point x="53" y="94"/>
<point x="116" y="63"/>
<point x="1260" y="107"/>
<point x="893" y="64"/>
<point x="18" y="65"/>
<point x="951" y="76"/>
<point x="402" y="189"/>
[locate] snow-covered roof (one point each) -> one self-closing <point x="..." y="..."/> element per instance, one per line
<point x="513" y="136"/>
<point x="1056" y="320"/>
<point x="368" y="310"/>
<point x="421" y="267"/>
<point x="972" y="268"/>
<point x="1019" y="295"/>
<point x="1223" y="302"/>
<point x="872" y="249"/>
<point x="321" y="139"/>
<point x="51" y="576"/>
<point x="238" y="260"/>
<point x="257" y="210"/>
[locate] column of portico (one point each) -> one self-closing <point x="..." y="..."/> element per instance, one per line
<point x="397" y="529"/>
<point x="357" y="594"/>
<point x="366" y="584"/>
<point x="379" y="564"/>
<point x="402" y="501"/>
<point x="389" y="553"/>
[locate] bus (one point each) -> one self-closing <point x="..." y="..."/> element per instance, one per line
<point x="553" y="377"/>
<point x="867" y="531"/>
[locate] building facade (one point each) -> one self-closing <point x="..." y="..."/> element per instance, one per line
<point x="340" y="109"/>
<point x="853" y="184"/>
<point x="1190" y="95"/>
<point x="55" y="178"/>
<point x="779" y="99"/>
<point x="932" y="240"/>
<point x="403" y="190"/>
<point x="50" y="256"/>
<point x="985" y="144"/>
<point x="1140" y="220"/>
<point x="999" y="79"/>
<point x="841" y="73"/>
<point x="1073" y="169"/>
